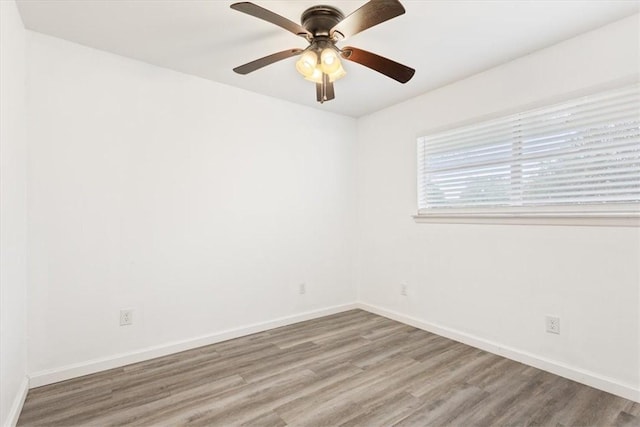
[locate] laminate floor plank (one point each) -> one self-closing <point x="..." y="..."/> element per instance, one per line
<point x="519" y="402"/>
<point x="325" y="399"/>
<point x="253" y="402"/>
<point x="349" y="369"/>
<point x="387" y="410"/>
<point x="447" y="408"/>
<point x="625" y="419"/>
<point x="178" y="402"/>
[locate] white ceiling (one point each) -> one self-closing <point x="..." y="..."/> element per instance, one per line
<point x="443" y="40"/>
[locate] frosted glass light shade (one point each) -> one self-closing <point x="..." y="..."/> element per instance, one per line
<point x="307" y="63"/>
<point x="329" y="61"/>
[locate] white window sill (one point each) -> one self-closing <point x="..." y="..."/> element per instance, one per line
<point x="598" y="219"/>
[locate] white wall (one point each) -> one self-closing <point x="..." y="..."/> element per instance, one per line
<point x="199" y="205"/>
<point x="495" y="283"/>
<point x="13" y="212"/>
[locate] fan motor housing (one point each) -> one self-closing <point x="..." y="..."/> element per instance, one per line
<point x="319" y="20"/>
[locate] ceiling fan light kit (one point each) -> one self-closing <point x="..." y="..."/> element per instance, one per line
<point x="323" y="27"/>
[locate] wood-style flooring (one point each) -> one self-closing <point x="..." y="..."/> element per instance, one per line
<point x="349" y="369"/>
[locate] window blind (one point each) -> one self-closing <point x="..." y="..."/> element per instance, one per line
<point x="581" y="153"/>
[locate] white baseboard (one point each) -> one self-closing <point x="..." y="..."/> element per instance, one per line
<point x="591" y="379"/>
<point x="51" y="376"/>
<point x="18" y="402"/>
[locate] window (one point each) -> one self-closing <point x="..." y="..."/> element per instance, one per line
<point x="580" y="158"/>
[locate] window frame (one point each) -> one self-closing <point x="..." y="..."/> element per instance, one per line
<point x="623" y="214"/>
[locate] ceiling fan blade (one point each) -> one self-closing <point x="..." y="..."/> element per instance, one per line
<point x="389" y="68"/>
<point x="372" y="13"/>
<point x="262" y="13"/>
<point x="267" y="60"/>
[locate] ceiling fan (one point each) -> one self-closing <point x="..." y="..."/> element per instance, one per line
<point x="323" y="27"/>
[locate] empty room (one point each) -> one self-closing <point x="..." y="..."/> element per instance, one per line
<point x="302" y="213"/>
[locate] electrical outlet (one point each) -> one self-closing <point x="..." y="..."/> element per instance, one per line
<point x="404" y="289"/>
<point x="302" y="288"/>
<point x="553" y="324"/>
<point x="126" y="317"/>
